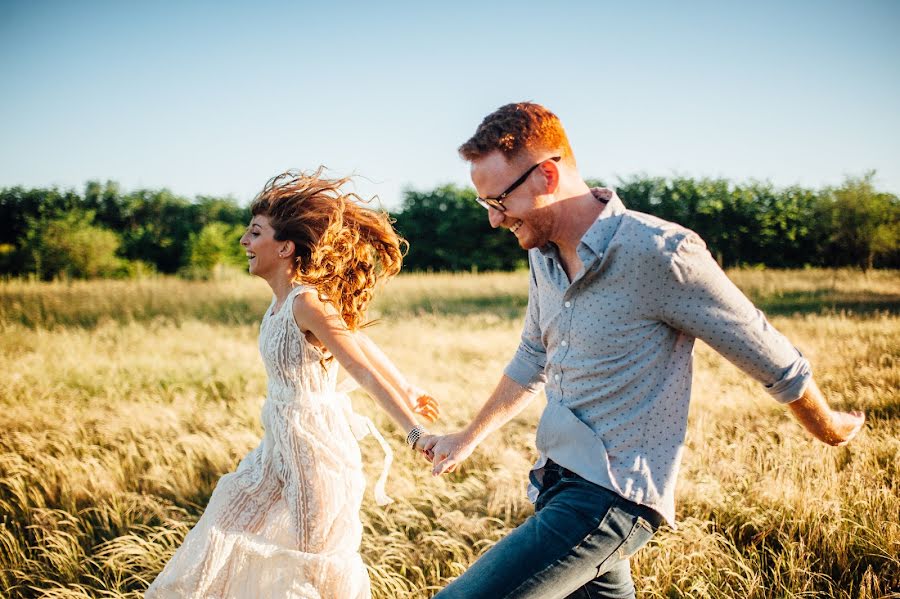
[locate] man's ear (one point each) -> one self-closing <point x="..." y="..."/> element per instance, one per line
<point x="550" y="170"/>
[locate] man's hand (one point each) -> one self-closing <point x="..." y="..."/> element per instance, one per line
<point x="836" y="428"/>
<point x="827" y="425"/>
<point x="846" y="426"/>
<point x="448" y="451"/>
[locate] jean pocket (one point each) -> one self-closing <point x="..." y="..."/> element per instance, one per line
<point x="641" y="532"/>
<point x="647" y="526"/>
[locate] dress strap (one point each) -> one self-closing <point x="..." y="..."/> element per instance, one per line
<point x="300" y="289"/>
<point x="287" y="308"/>
<point x="361" y="427"/>
<point x="381" y="496"/>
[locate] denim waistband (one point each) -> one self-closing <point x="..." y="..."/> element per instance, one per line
<point x="552" y="466"/>
<point x="553" y="472"/>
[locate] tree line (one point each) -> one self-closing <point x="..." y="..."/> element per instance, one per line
<point x="103" y="232"/>
<point x="743" y="224"/>
<point x="51" y="233"/>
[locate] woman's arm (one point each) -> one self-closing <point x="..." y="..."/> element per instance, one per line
<point x="505" y="403"/>
<point x="418" y="400"/>
<point x="323" y="321"/>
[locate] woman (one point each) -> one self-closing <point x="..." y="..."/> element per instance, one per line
<point x="286" y="523"/>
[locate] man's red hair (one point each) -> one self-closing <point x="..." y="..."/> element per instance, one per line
<point x="517" y="128"/>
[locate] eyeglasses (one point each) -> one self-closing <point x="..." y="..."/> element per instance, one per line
<point x="497" y="202"/>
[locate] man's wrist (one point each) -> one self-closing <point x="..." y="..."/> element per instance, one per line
<point x="472" y="435"/>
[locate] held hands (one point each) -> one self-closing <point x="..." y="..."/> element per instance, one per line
<point x="446" y="452"/>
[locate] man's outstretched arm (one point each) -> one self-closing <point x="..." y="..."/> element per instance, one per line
<point x="507" y="400"/>
<point x="704" y="303"/>
<point x="823" y="423"/>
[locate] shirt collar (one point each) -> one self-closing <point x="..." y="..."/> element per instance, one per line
<point x="601" y="232"/>
<point x="598" y="236"/>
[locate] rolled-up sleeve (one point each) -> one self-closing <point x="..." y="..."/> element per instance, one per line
<point x="527" y="365"/>
<point x="701" y="301"/>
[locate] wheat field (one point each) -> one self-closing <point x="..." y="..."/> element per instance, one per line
<point x="122" y="403"/>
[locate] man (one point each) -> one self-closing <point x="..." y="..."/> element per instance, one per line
<point x="616" y="299"/>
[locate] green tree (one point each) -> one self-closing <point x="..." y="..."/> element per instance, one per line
<point x="448" y="230"/>
<point x="208" y="209"/>
<point x="156" y="228"/>
<point x="865" y="223"/>
<point x="742" y="224"/>
<point x="753" y="223"/>
<point x="216" y="244"/>
<point x="105" y="200"/>
<point x="72" y="246"/>
<point x="18" y="208"/>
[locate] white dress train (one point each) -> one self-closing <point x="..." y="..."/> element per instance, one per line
<point x="286" y="523"/>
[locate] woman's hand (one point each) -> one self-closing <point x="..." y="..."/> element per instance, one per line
<point x="425" y="405"/>
<point x="422" y="444"/>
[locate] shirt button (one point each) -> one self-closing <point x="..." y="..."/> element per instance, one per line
<point x="564" y="343"/>
<point x="556" y="376"/>
<point x="568" y="304"/>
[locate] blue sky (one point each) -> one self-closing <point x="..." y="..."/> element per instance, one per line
<point x="216" y="97"/>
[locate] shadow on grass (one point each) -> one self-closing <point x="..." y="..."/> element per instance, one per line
<point x="820" y="301"/>
<point x="81" y="312"/>
<point x="507" y="306"/>
<point x="883" y="411"/>
<point x="824" y="301"/>
<point x="227" y="311"/>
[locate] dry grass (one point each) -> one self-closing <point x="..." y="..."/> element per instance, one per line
<point x="122" y="403"/>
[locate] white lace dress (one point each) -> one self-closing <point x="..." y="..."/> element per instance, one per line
<point x="286" y="524"/>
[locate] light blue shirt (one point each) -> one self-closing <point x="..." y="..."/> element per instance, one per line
<point x="613" y="349"/>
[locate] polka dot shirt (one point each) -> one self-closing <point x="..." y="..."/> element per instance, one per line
<point x="613" y="349"/>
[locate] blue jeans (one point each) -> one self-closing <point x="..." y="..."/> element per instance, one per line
<point x="575" y="546"/>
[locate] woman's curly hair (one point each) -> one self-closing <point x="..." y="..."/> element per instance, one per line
<point x="342" y="248"/>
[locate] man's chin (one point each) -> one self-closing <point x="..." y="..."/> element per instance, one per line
<point x="531" y="237"/>
<point x="530" y="242"/>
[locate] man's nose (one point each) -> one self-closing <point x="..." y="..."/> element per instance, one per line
<point x="495" y="217"/>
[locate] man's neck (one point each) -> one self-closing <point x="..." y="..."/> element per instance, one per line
<point x="576" y="215"/>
